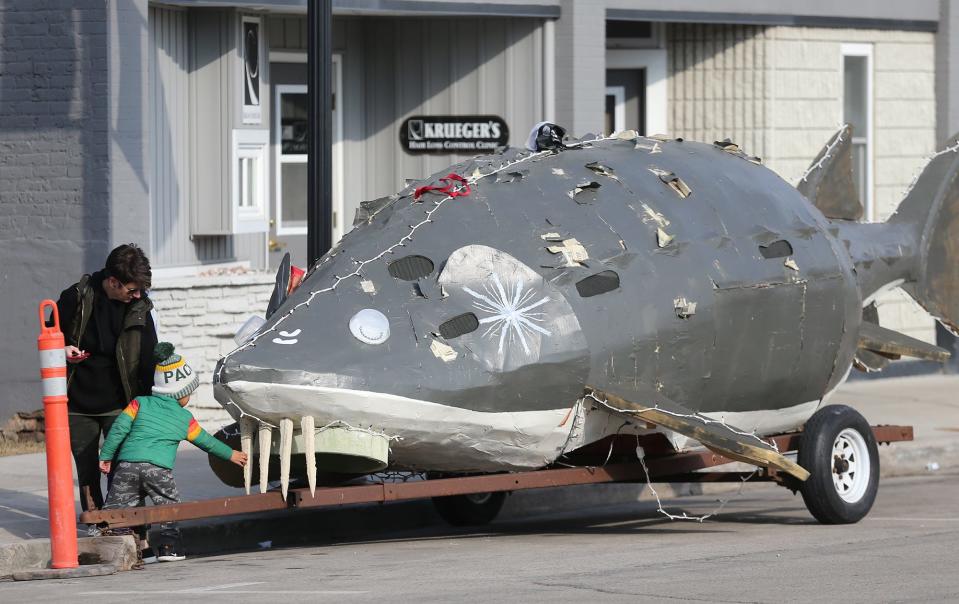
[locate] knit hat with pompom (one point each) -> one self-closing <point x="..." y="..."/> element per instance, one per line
<point x="172" y="377"/>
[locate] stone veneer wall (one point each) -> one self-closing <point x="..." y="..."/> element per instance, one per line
<point x="777" y="91"/>
<point x="200" y="315"/>
<point x="718" y="83"/>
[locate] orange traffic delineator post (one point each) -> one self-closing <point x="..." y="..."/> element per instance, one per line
<point x="53" y="372"/>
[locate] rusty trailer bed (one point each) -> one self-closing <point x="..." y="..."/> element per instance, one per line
<point x="675" y="468"/>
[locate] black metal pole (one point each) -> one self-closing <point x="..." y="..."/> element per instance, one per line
<point x="319" y="188"/>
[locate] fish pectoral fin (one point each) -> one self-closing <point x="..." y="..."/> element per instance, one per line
<point x="867" y="360"/>
<point x="892" y="344"/>
<point x="719" y="437"/>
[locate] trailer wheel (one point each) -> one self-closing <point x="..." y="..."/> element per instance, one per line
<point x="838" y="448"/>
<point x="469" y="510"/>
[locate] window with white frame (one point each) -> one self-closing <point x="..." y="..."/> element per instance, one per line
<point x="857" y="110"/>
<point x="250" y="165"/>
<point x="292" y="142"/>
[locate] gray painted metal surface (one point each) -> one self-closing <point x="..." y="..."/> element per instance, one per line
<point x="735" y="294"/>
<point x="947" y="114"/>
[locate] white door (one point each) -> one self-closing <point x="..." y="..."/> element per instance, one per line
<point x="290" y="143"/>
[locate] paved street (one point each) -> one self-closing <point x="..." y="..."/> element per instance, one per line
<point x="764" y="548"/>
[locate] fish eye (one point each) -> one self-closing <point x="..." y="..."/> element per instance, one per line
<point x="370" y="326"/>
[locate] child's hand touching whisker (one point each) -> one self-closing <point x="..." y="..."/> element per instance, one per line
<point x="239" y="458"/>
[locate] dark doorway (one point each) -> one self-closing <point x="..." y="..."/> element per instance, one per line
<point x="626" y="100"/>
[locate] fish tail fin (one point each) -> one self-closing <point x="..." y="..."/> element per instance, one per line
<point x="930" y="210"/>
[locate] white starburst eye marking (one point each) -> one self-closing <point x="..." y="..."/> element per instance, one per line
<point x="370" y="326"/>
<point x="511" y="311"/>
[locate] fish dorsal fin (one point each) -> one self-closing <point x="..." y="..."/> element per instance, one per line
<point x="828" y="182"/>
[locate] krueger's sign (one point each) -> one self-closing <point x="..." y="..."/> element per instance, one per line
<point x="453" y="134"/>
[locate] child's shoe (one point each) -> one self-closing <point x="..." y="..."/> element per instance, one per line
<point x="167" y="552"/>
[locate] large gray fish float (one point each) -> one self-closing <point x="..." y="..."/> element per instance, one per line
<point x="518" y="307"/>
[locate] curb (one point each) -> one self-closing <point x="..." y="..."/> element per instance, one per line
<point x="91" y="570"/>
<point x="30" y="559"/>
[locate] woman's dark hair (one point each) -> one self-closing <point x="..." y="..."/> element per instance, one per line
<point x="129" y="264"/>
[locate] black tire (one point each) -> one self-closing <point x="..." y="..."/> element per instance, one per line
<point x="470" y="510"/>
<point x="838" y="448"/>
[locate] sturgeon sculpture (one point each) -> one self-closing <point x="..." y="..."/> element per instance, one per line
<point x="517" y="307"/>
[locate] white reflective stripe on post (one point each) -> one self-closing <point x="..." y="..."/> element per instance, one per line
<point x="54" y="387"/>
<point x="54" y="357"/>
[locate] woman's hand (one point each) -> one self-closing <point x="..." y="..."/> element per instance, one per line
<point x="105" y="466"/>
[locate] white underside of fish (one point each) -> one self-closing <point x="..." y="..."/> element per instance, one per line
<point x="432" y="436"/>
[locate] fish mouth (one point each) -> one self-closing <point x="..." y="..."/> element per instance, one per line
<point x="423" y="435"/>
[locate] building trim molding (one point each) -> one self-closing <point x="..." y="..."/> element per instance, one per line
<point x="620" y="14"/>
<point x="432" y="8"/>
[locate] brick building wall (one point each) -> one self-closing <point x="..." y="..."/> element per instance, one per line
<point x="200" y="316"/>
<point x="54" y="170"/>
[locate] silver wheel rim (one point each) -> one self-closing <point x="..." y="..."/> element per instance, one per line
<point x="479" y="498"/>
<point x="851" y="466"/>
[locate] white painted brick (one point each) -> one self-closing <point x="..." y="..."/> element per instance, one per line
<point x="898" y="113"/>
<point x="222" y="331"/>
<point x="920" y="142"/>
<point x="896" y="171"/>
<point x="799" y="144"/>
<point x="804" y="54"/>
<point x="905" y="85"/>
<point x="912" y="57"/>
<point x="806" y="84"/>
<point x="171" y="319"/>
<point x="194" y="309"/>
<point x="212" y="318"/>
<point x="887" y="199"/>
<point x="789" y="169"/>
<point x="232" y="304"/>
<point x="899" y="312"/>
<point x="806" y="113"/>
<point x="168" y="304"/>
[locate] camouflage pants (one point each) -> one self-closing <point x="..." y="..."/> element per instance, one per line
<point x="133" y="482"/>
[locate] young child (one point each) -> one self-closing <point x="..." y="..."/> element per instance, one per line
<point x="147" y="434"/>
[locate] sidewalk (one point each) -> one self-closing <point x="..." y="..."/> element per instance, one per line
<point x="929" y="403"/>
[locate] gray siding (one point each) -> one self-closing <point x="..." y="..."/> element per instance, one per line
<point x="169" y="135"/>
<point x="211" y="40"/>
<point x="191" y="114"/>
<point x="395" y="68"/>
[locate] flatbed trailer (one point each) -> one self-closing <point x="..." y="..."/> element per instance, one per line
<point x="677" y="467"/>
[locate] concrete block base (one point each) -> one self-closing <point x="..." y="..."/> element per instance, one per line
<point x="31" y="559"/>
